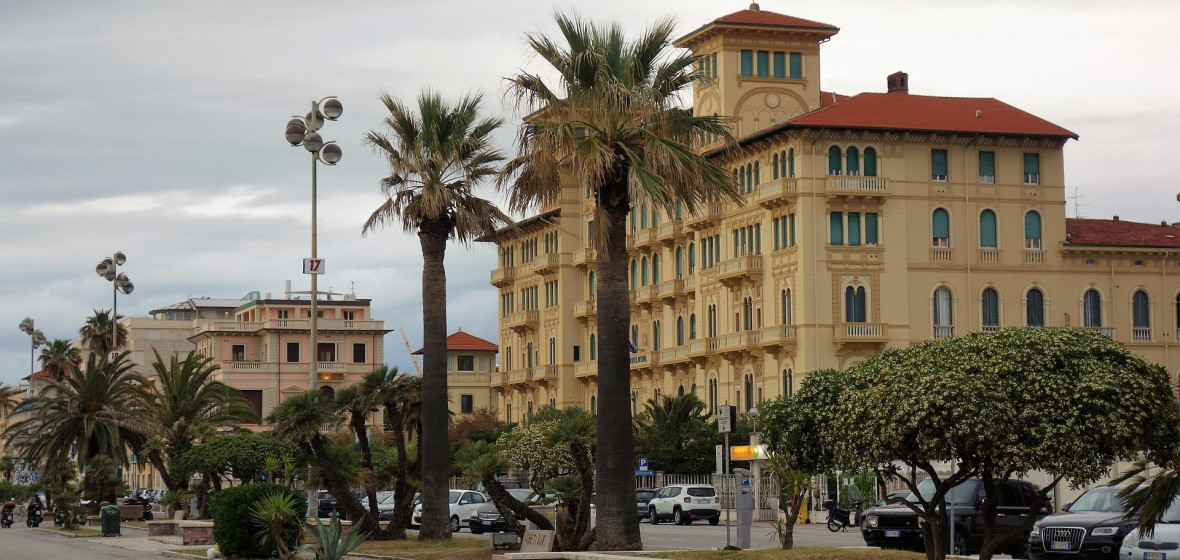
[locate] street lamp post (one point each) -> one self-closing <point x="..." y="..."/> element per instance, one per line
<point x="38" y="338"/>
<point x="108" y="268"/>
<point x="302" y="131"/>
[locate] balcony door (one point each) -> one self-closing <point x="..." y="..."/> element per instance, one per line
<point x="326" y="352"/>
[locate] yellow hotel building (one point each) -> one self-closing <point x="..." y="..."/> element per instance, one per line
<point x="870" y="221"/>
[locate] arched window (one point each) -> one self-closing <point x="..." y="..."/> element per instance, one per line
<point x="774" y="168"/>
<point x="655" y="394"/>
<point x="1034" y="301"/>
<point x="987" y="230"/>
<point x="679" y="263"/>
<point x="634" y="275"/>
<point x="655" y="217"/>
<point x="870" y="162"/>
<point x="1140" y="317"/>
<point x="635" y="336"/>
<point x="789" y="383"/>
<point x="741" y="177"/>
<point x="593" y="405"/>
<point x="655" y="269"/>
<point x="943" y="320"/>
<point x="692" y="326"/>
<point x="940" y="223"/>
<point x="1092" y="309"/>
<point x="680" y="331"/>
<point x="655" y="335"/>
<point x="748" y="312"/>
<point x="643" y="268"/>
<point x="643" y="216"/>
<point x="693" y="390"/>
<point x="593" y="347"/>
<point x="791" y="162"/>
<point x="749" y="392"/>
<point x="692" y="258"/>
<point x="853" y="159"/>
<point x="1032" y="231"/>
<point x="834" y="160"/>
<point x="592" y="286"/>
<point x="855" y="305"/>
<point x="530" y="413"/>
<point x="680" y="391"/>
<point x="991" y="309"/>
<point x="757" y="175"/>
<point x="528" y="358"/>
<point x="679" y="210"/>
<point x="552" y="351"/>
<point x="786" y="306"/>
<point x="508" y="413"/>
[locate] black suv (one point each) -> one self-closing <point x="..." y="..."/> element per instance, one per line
<point x="897" y="526"/>
<point x="1091" y="528"/>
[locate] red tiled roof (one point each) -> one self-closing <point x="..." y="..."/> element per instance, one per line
<point x="829" y="98"/>
<point x="901" y="111"/>
<point x="463" y="341"/>
<point x="759" y="17"/>
<point x="1119" y="233"/>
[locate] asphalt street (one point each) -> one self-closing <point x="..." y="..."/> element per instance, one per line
<point x="20" y="542"/>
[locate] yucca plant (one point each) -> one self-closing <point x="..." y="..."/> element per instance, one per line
<point x="276" y="514"/>
<point x="329" y="543"/>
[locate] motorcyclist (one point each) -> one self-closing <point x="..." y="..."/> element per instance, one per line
<point x="35" y="510"/>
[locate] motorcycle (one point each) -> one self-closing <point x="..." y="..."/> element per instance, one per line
<point x="839" y="518"/>
<point x="35" y="516"/>
<point x="7" y="514"/>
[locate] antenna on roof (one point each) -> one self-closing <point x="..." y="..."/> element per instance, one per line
<point x="1076" y="205"/>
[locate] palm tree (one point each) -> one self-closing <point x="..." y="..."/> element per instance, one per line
<point x="403" y="416"/>
<point x="182" y="406"/>
<point x="91" y="411"/>
<point x="96" y="333"/>
<point x="575" y="431"/>
<point x="8" y="400"/>
<point x="437" y="156"/>
<point x="355" y="404"/>
<point x="674" y="411"/>
<point x="615" y="124"/>
<point x="57" y="356"/>
<point x="482" y="462"/>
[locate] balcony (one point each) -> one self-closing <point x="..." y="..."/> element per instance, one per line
<point x="229" y="327"/>
<point x="642" y="238"/>
<point x="499" y="379"/>
<point x="329" y="366"/>
<point x="549" y="263"/>
<point x="670" y="232"/>
<point x="844" y="333"/>
<point x="777" y="336"/>
<point x="324" y="324"/>
<point x="585" y="257"/>
<point x="1034" y="256"/>
<point x="702" y="347"/>
<point x="708" y="214"/>
<point x="585" y="309"/>
<point x="241" y="366"/>
<point x="777" y="193"/>
<point x="502" y="277"/>
<point x="1141" y="334"/>
<point x="941" y="254"/>
<point x="520" y="376"/>
<point x="943" y="332"/>
<point x="674" y="355"/>
<point x="855" y="186"/>
<point x="647" y="295"/>
<point x="738" y="343"/>
<point x="523" y="320"/>
<point x="747" y="268"/>
<point x="551" y="373"/>
<point x="989" y="256"/>
<point x="690" y="285"/>
<point x="671" y="289"/>
<point x="586" y="369"/>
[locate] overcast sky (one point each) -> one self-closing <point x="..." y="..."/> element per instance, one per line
<point x="155" y="128"/>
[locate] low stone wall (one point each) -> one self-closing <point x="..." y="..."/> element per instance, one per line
<point x="308" y="527"/>
<point x="161" y="528"/>
<point x="195" y="532"/>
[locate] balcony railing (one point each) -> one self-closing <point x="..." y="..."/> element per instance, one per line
<point x="548" y="263"/>
<point x="323" y="324"/>
<point x="1034" y="256"/>
<point x="639" y="359"/>
<point x="583" y="257"/>
<point x="551" y="372"/>
<point x="856" y="185"/>
<point x="646" y="295"/>
<point x="1141" y="334"/>
<point x="670" y="231"/>
<point x="674" y="355"/>
<point x="526" y="319"/>
<point x="707" y="214"/>
<point x="860" y="332"/>
<point x="586" y="369"/>
<point x="989" y="255"/>
<point x="739" y="342"/>
<point x="671" y="289"/>
<point x="702" y="347"/>
<point x="749" y="266"/>
<point x="778" y="334"/>
<point x="641" y="238"/>
<point x="329" y="366"/>
<point x="940" y="254"/>
<point x="241" y="365"/>
<point x="777" y="192"/>
<point x="943" y="331"/>
<point x="585" y="308"/>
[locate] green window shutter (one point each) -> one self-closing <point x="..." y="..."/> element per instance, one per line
<point x="777" y="231"/>
<point x="643" y="218"/>
<point x="837" y="222"/>
<point x="758" y="238"/>
<point x="834" y="160"/>
<point x="1036" y="308"/>
<point x="870" y="162"/>
<point x="854" y="229"/>
<point x="632" y="220"/>
<point x="987" y="229"/>
<point x="774" y="167"/>
<point x="1141" y="309"/>
<point x="1032" y="164"/>
<point x="853" y="161"/>
<point x="938" y="165"/>
<point x="714" y="65"/>
<point x="991" y="308"/>
<point x="763" y="64"/>
<point x="780" y="65"/>
<point x="871" y="228"/>
<point x="736" y="247"/>
<point x="792" y="230"/>
<point x="1032" y="225"/>
<point x="941" y="224"/>
<point x="634" y="275"/>
<point x="747" y="63"/>
<point x="796" y="65"/>
<point x="757" y="174"/>
<point x="791" y="163"/>
<point x="987" y="164"/>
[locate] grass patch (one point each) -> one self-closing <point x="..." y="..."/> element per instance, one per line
<point x="801" y="553"/>
<point x="78" y="531"/>
<point x="456" y="548"/>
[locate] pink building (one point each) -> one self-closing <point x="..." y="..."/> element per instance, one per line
<point x="264" y="348"/>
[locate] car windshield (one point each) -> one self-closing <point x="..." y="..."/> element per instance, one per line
<point x="455" y="497"/>
<point x="644" y="495"/>
<point x="1172" y="515"/>
<point x="388" y="499"/>
<point x="520" y="493"/>
<point x="702" y="492"/>
<point x="964" y="493"/>
<point x="1104" y="499"/>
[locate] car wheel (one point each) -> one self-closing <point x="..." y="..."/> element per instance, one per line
<point x="714" y="520"/>
<point x="677" y="517"/>
<point x="651" y="515"/>
<point x="455" y="524"/>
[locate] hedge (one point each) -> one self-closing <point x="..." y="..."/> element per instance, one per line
<point x="235" y="532"/>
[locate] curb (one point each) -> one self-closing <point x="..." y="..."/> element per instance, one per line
<point x="372" y="556"/>
<point x="173" y="554"/>
<point x="62" y="535"/>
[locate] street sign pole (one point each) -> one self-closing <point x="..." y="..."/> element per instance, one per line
<point x="731" y="494"/>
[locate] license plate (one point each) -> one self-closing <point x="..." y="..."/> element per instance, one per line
<point x="1154" y="556"/>
<point x="892" y="533"/>
<point x="704" y="501"/>
<point x="1059" y="545"/>
<point x="488" y="522"/>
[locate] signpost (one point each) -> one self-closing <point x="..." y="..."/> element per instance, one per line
<point x="313" y="266"/>
<point x="643" y="470"/>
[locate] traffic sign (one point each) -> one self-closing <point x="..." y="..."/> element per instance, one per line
<point x="726" y="418"/>
<point x="643" y="463"/>
<point x="314" y="266"/>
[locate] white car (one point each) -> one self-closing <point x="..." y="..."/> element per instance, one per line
<point x="1164" y="543"/>
<point x="463" y="504"/>
<point x="682" y="503"/>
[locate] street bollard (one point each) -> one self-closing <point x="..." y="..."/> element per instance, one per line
<point x="745" y="508"/>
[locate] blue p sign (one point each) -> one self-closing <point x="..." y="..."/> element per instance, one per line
<point x="643" y="463"/>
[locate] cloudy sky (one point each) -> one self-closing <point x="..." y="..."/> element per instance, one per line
<point x="155" y="128"/>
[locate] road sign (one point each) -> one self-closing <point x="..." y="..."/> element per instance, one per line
<point x="314" y="266"/>
<point x="726" y="418"/>
<point x="643" y="463"/>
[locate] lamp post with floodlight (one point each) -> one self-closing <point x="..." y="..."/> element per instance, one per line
<point x="302" y="131"/>
<point x="108" y="268"/>
<point x="38" y="338"/>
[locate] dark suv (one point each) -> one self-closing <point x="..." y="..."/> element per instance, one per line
<point x="1091" y="528"/>
<point x="897" y="526"/>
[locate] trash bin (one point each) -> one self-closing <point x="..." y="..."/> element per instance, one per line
<point x="110" y="520"/>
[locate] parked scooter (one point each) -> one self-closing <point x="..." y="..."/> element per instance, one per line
<point x="35" y="516"/>
<point x="839" y="518"/>
<point x="6" y="514"/>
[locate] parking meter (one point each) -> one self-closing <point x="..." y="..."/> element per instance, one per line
<point x="744" y="500"/>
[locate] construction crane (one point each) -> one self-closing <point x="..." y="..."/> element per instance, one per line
<point x="410" y="350"/>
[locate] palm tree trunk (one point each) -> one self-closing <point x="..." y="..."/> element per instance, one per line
<point x="403" y="493"/>
<point x="513" y="509"/>
<point x="618" y="527"/>
<point x="362" y="437"/>
<point x="435" y="447"/>
<point x="340" y="490"/>
<point x="158" y="462"/>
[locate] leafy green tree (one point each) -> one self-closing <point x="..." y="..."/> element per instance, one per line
<point x="57" y="356"/>
<point x="96" y="333"/>
<point x="614" y="122"/>
<point x="7" y="465"/>
<point x="999" y="404"/>
<point x="437" y="153"/>
<point x="526" y="449"/>
<point x="676" y="435"/>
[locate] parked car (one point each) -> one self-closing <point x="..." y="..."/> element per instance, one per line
<point x="385" y="505"/>
<point x="1164" y="542"/>
<point x="682" y="503"/>
<point x="326" y="504"/>
<point x="643" y="497"/>
<point x="1091" y="528"/>
<point x="488" y="519"/>
<point x="507" y="484"/>
<point x="903" y="494"/>
<point x="897" y="526"/>
<point x="463" y="504"/>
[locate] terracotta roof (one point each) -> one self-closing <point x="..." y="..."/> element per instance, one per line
<point x="829" y="98"/>
<point x="463" y="341"/>
<point x="759" y="17"/>
<point x="1119" y="233"/>
<point x="902" y="111"/>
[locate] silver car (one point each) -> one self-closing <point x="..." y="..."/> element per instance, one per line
<point x="1164" y="543"/>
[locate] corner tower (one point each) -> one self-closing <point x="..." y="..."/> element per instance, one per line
<point x="763" y="67"/>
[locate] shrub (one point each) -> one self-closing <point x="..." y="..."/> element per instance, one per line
<point x="235" y="530"/>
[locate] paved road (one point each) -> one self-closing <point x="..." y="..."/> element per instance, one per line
<point x="23" y="543"/>
<point x="702" y="536"/>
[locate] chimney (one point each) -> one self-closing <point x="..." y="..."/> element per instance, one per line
<point x="1116" y="218"/>
<point x="754" y="7"/>
<point x="898" y="82"/>
<point x="287" y="289"/>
